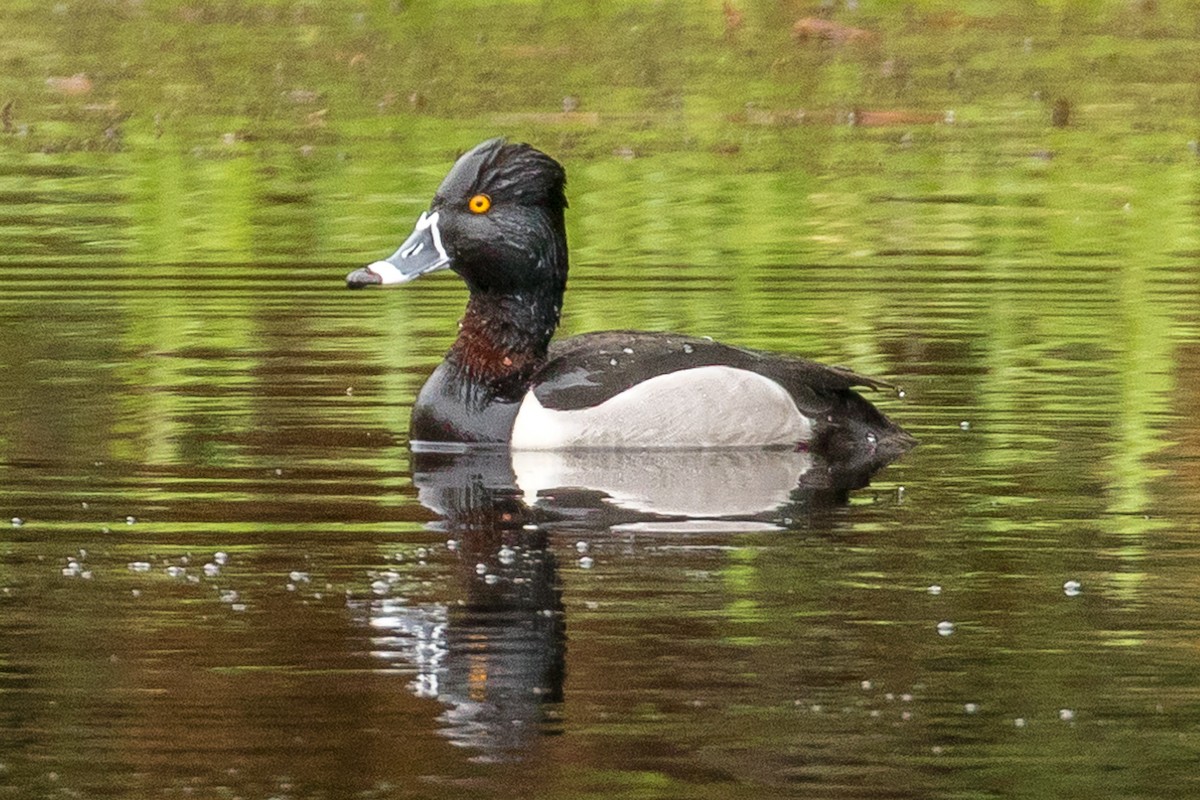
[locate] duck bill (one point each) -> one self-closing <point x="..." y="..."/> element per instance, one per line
<point x="421" y="254"/>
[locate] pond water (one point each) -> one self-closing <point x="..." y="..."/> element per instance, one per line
<point x="227" y="576"/>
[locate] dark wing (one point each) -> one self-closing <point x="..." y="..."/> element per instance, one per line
<point x="586" y="370"/>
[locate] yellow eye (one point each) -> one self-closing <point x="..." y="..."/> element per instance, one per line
<point x="479" y="204"/>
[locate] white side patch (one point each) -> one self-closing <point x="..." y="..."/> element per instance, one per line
<point x="712" y="406"/>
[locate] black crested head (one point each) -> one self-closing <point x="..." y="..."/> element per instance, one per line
<point x="506" y="172"/>
<point x="500" y="218"/>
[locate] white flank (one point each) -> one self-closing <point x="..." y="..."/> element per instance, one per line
<point x="713" y="406"/>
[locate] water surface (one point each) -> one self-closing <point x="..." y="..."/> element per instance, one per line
<point x="227" y="576"/>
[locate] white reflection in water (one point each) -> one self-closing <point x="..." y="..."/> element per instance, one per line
<point x="413" y="636"/>
<point x="691" y="483"/>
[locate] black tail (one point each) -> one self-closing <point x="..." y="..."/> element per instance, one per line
<point x="856" y="440"/>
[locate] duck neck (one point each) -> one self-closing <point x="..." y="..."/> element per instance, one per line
<point x="503" y="339"/>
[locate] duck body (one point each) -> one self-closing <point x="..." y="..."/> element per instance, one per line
<point x="497" y="221"/>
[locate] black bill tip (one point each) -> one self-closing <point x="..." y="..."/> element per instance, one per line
<point x="363" y="277"/>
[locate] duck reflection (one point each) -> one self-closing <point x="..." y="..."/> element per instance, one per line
<point x="691" y="489"/>
<point x="496" y="659"/>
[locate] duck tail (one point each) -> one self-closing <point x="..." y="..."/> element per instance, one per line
<point x="859" y="438"/>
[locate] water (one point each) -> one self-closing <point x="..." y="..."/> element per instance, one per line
<point x="226" y="575"/>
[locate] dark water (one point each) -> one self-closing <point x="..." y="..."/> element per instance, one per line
<point x="227" y="576"/>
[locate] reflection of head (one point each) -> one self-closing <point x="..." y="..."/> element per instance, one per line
<point x="497" y="670"/>
<point x="495" y="659"/>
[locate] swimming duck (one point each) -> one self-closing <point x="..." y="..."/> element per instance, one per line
<point x="497" y="221"/>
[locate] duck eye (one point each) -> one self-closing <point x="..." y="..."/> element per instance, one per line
<point x="479" y="204"/>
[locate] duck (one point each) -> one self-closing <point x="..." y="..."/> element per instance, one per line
<point x="498" y="221"/>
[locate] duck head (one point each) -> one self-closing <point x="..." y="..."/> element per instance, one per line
<point x="496" y="220"/>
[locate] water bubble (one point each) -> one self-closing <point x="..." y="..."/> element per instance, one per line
<point x="228" y="596"/>
<point x="934" y="589"/>
<point x="529" y="526"/>
<point x="582" y="546"/>
<point x="964" y="425"/>
<point x="612" y="362"/>
<point x="176" y="572"/>
<point x="1072" y="588"/>
<point x="687" y="348"/>
<point x="238" y="607"/>
<point x="901" y="393"/>
<point x="945" y="628"/>
<point x="1019" y="722"/>
<point x="871" y="438"/>
<point x="139" y="566"/>
<point x="452" y="544"/>
<point x="971" y="708"/>
<point x="480" y="568"/>
<point x="298" y="577"/>
<point x="507" y="555"/>
<point x="627" y="351"/>
<point x="211" y="569"/>
<point x="586" y="562"/>
<point x="380" y="587"/>
<point x="219" y="558"/>
<point x="17" y="522"/>
<point x="278" y="471"/>
<point x="422" y="552"/>
<point x="491" y="579"/>
<point x="1066" y="715"/>
<point x="130" y="520"/>
<point x="867" y="686"/>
